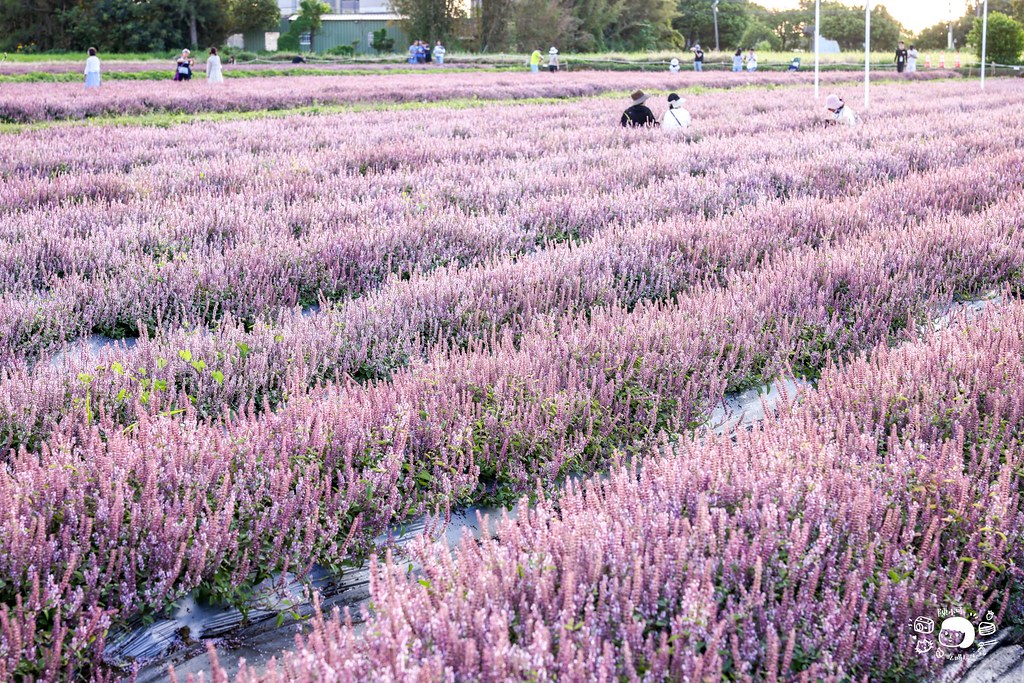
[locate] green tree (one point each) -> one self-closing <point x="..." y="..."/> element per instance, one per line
<point x="845" y="25"/>
<point x="382" y="42"/>
<point x="937" y="37"/>
<point x="494" y="26"/>
<point x="539" y="24"/>
<point x="430" y="19"/>
<point x="310" y="19"/>
<point x="253" y="15"/>
<point x="758" y="32"/>
<point x="695" y="22"/>
<point x="1005" y="39"/>
<point x="590" y="22"/>
<point x="643" y="25"/>
<point x="788" y="26"/>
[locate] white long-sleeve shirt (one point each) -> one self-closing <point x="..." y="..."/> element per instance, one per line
<point x="92" y="65"/>
<point x="845" y="116"/>
<point x="676" y="118"/>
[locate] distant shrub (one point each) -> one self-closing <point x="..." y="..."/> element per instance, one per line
<point x="1005" y="39"/>
<point x="342" y="50"/>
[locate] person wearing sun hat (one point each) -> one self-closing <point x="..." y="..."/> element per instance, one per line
<point x="638" y="114"/>
<point x="673" y="66"/>
<point x="841" y="114"/>
<point x="553" y="59"/>
<point x="676" y="118"/>
<point x="183" y="66"/>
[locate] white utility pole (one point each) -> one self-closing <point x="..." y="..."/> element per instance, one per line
<point x="867" y="53"/>
<point x="984" y="44"/>
<point x="817" y="45"/>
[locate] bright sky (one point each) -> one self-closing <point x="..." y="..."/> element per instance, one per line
<point x="914" y="14"/>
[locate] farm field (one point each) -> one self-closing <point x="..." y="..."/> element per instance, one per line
<point x="238" y="353"/>
<point x="26" y="103"/>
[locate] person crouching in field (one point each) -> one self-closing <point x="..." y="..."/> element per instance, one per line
<point x="638" y="115"/>
<point x="92" y="69"/>
<point x="841" y="114"/>
<point x="676" y="118"/>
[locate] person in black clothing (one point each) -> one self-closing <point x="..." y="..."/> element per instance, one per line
<point x="638" y="114"/>
<point x="698" y="57"/>
<point x="901" y="57"/>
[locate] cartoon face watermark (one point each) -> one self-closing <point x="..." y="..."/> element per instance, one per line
<point x="956" y="632"/>
<point x="959" y="635"/>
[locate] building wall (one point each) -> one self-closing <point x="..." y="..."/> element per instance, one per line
<point x="335" y="33"/>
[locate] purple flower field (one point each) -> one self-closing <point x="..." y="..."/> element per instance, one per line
<point x="324" y="326"/>
<point x="33" y="102"/>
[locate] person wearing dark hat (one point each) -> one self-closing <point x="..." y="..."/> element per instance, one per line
<point x="638" y="113"/>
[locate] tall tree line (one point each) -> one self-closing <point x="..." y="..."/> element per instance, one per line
<point x="490" y="26"/>
<point x="129" y="25"/>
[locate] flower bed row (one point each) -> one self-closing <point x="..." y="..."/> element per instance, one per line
<point x="107" y="521"/>
<point x="803" y="551"/>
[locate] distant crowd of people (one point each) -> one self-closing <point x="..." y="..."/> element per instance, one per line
<point x="420" y="52"/>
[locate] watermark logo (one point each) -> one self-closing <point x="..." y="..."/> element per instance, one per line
<point x="959" y="635"/>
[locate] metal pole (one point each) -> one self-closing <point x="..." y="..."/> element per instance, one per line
<point x="714" y="10"/>
<point x="984" y="44"/>
<point x="867" y="53"/>
<point x="817" y="45"/>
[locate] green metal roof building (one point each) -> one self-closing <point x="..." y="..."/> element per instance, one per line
<point x="337" y="29"/>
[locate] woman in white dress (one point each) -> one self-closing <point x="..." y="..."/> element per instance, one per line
<point x="92" y="69"/>
<point x="213" y="70"/>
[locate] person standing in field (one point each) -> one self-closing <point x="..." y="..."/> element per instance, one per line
<point x="901" y="58"/>
<point x="841" y="114"/>
<point x="676" y="118"/>
<point x="751" y="61"/>
<point x="214" y="73"/>
<point x="737" y="61"/>
<point x="535" y="61"/>
<point x="553" y="59"/>
<point x="439" y="53"/>
<point x="92" y="69"/>
<point x="912" y="55"/>
<point x="183" y="66"/>
<point x="698" y="57"/>
<point x="638" y="115"/>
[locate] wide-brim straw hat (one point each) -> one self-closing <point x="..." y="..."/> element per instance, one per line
<point x="833" y="102"/>
<point x="639" y="97"/>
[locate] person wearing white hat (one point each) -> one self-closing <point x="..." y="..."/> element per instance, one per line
<point x="676" y="118"/>
<point x="553" y="59"/>
<point x="673" y="66"/>
<point x="183" y="66"/>
<point x="841" y="114"/>
<point x="698" y="57"/>
<point x="638" y="115"/>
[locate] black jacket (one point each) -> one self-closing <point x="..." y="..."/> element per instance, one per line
<point x="638" y="115"/>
